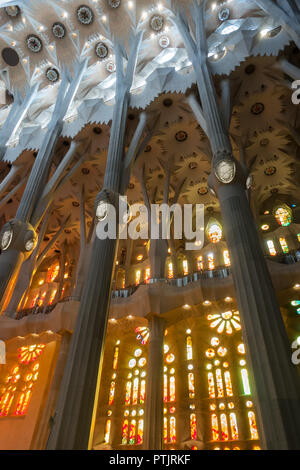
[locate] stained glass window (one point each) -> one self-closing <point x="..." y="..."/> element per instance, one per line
<point x="116" y="357"/>
<point x="284" y="245"/>
<point x="211" y="385"/>
<point x="147" y="274"/>
<point x="200" y="264"/>
<point x="172" y="389"/>
<point x="125" y="432"/>
<point x="135" y="391"/>
<point x="189" y="348"/>
<point x="165" y="431"/>
<point x="128" y="393"/>
<point x="252" y="425"/>
<point x="140" y="431"/>
<point x="193" y="425"/>
<point x="52" y="273"/>
<point x="214" y="232"/>
<point x="219" y="383"/>
<point x="226" y="258"/>
<point x="137" y="277"/>
<point x="228" y="384"/>
<point x="245" y="380"/>
<point x="132" y="431"/>
<point x="271" y="247"/>
<point x="233" y="427"/>
<point x="111" y="393"/>
<point x="142" y="334"/>
<point x="170" y="270"/>
<point x="224" y="427"/>
<point x="211" y="262"/>
<point x="191" y="381"/>
<point x="107" y="431"/>
<point x="172" y="429"/>
<point x="165" y="388"/>
<point x="214" y="427"/>
<point x="185" y="267"/>
<point x="284" y="215"/>
<point x="142" y="392"/>
<point x="226" y="321"/>
<point x="52" y="296"/>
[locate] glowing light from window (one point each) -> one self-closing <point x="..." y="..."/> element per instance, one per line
<point x="135" y="391"/>
<point x="283" y="215"/>
<point x="211" y="385"/>
<point x="228" y="383"/>
<point x="172" y="429"/>
<point x="128" y="393"/>
<point x="165" y="431"/>
<point x="116" y="357"/>
<point x="52" y="273"/>
<point x="252" y="425"/>
<point x="137" y="277"/>
<point x="147" y="274"/>
<point x="132" y="432"/>
<point x="214" y="427"/>
<point x="142" y="334"/>
<point x="211" y="262"/>
<point x="227" y="321"/>
<point x="107" y="431"/>
<point x="214" y="233"/>
<point x="193" y="426"/>
<point x="284" y="245"/>
<point x="28" y="354"/>
<point x="132" y="363"/>
<point x="245" y="379"/>
<point x="189" y="348"/>
<point x="271" y="248"/>
<point x="219" y="383"/>
<point x="172" y="389"/>
<point x="185" y="267"/>
<point x="125" y="432"/>
<point x="200" y="264"/>
<point x="241" y="348"/>
<point x="111" y="393"/>
<point x="165" y="388"/>
<point x="226" y="257"/>
<point x="210" y="353"/>
<point x="170" y="271"/>
<point x="142" y="392"/>
<point x="140" y="431"/>
<point x="191" y="381"/>
<point x="52" y="296"/>
<point x="170" y="358"/>
<point x="224" y="427"/>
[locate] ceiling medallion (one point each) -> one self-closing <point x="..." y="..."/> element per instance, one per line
<point x="250" y="69"/>
<point x="157" y="23"/>
<point x="193" y="165"/>
<point x="148" y="149"/>
<point x="58" y="30"/>
<point x="224" y="14"/>
<point x="181" y="136"/>
<point x="85" y="171"/>
<point x="164" y="42"/>
<point x="202" y="191"/>
<point x="34" y="43"/>
<point x="85" y="15"/>
<point x="114" y="3"/>
<point x="167" y="102"/>
<point x="264" y="142"/>
<point x="12" y="11"/>
<point x="257" y="109"/>
<point x="271" y="170"/>
<point x="101" y="50"/>
<point x="52" y="75"/>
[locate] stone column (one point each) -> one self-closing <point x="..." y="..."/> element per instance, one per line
<point x="16" y="251"/>
<point x="276" y="380"/>
<point x="75" y="415"/>
<point x="153" y="436"/>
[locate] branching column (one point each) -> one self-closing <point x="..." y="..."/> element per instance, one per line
<point x="153" y="438"/>
<point x="20" y="230"/>
<point x="276" y="381"/>
<point x="76" y="409"/>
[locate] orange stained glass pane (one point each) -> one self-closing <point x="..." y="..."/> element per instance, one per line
<point x="23" y="403"/>
<point x="135" y="391"/>
<point x="107" y="431"/>
<point x="147" y="274"/>
<point x="211" y="385"/>
<point x="165" y="433"/>
<point x="226" y="258"/>
<point x="211" y="262"/>
<point x="165" y="388"/>
<point x="224" y="427"/>
<point x="284" y="245"/>
<point x="193" y="425"/>
<point x="200" y="264"/>
<point x="233" y="427"/>
<point x="29" y="354"/>
<point x="173" y="429"/>
<point x="191" y="385"/>
<point x="252" y="425"/>
<point x="189" y="348"/>
<point x="111" y="393"/>
<point x="172" y="389"/>
<point x="116" y="358"/>
<point x="219" y="383"/>
<point x="140" y="431"/>
<point x="142" y="392"/>
<point x="228" y="384"/>
<point x="185" y="267"/>
<point x="128" y="393"/>
<point x="125" y="432"/>
<point x="170" y="270"/>
<point x="214" y="427"/>
<point x="132" y="432"/>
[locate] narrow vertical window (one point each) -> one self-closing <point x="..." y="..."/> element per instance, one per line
<point x="165" y="388"/>
<point x="226" y="258"/>
<point x="189" y="348"/>
<point x="132" y="432"/>
<point x="284" y="245"/>
<point x="172" y="389"/>
<point x="214" y="427"/>
<point x="111" y="393"/>
<point x="211" y="385"/>
<point x="252" y="425"/>
<point x="233" y="427"/>
<point x="219" y="383"/>
<point x="193" y="425"/>
<point x="140" y="431"/>
<point x="200" y="264"/>
<point x="271" y="248"/>
<point x="228" y="384"/>
<point x="191" y="385"/>
<point x="116" y="358"/>
<point x="165" y="433"/>
<point x="128" y="393"/>
<point x="107" y="431"/>
<point x="137" y="277"/>
<point x="185" y="267"/>
<point x="224" y="427"/>
<point x="142" y="392"/>
<point x="173" y="429"/>
<point x="170" y="270"/>
<point x="135" y="391"/>
<point x="245" y="380"/>
<point x="211" y="262"/>
<point x="125" y="432"/>
<point x="147" y="274"/>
